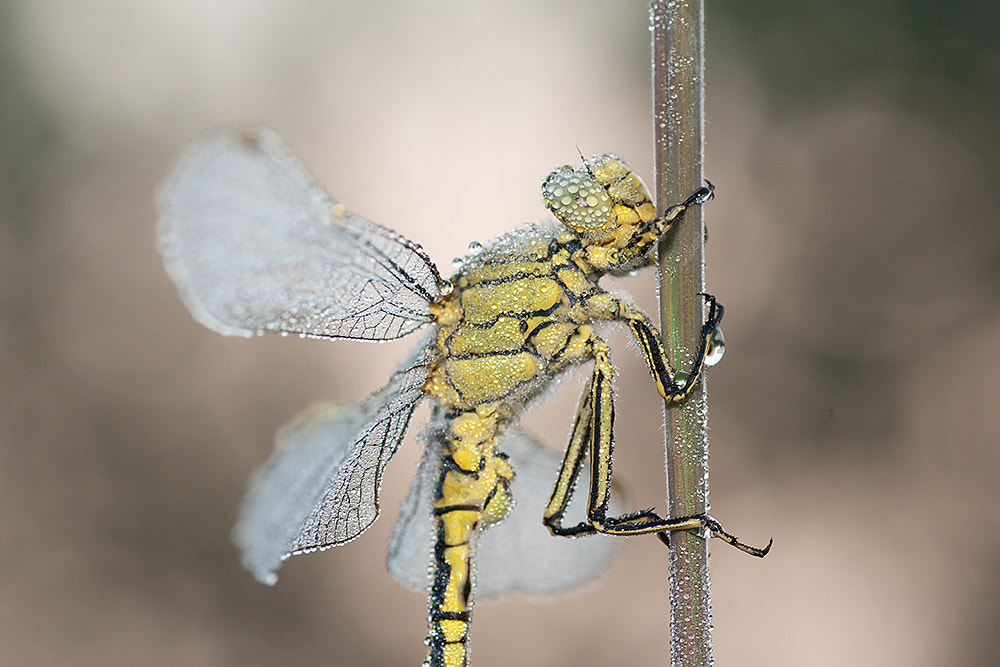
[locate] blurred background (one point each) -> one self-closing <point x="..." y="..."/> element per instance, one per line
<point x="854" y="242"/>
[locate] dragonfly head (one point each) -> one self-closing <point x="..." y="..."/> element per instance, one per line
<point x="605" y="203"/>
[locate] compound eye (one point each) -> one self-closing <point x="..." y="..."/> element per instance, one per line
<point x="577" y="200"/>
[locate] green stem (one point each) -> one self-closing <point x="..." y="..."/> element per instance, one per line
<point x="678" y="112"/>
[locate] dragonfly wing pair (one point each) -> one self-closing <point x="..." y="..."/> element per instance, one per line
<point x="256" y="245"/>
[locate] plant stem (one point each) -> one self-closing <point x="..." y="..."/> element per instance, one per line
<point x="678" y="113"/>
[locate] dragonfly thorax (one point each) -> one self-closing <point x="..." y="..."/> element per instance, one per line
<point x="519" y="314"/>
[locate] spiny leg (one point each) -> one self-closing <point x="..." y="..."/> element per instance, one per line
<point x="656" y="357"/>
<point x="718" y="531"/>
<point x="590" y="420"/>
<point x="569" y="471"/>
<point x="594" y="426"/>
<point x="638" y="248"/>
<point x="675" y="212"/>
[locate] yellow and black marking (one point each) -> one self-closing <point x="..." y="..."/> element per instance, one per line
<point x="516" y="318"/>
<point x="256" y="246"/>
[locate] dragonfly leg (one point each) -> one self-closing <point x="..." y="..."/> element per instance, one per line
<point x="593" y="429"/>
<point x="672" y="387"/>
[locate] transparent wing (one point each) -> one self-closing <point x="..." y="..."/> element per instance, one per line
<point x="320" y="487"/>
<point x="518" y="555"/>
<point x="255" y="245"/>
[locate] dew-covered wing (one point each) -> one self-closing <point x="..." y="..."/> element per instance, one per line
<point x="255" y="245"/>
<point x="518" y="555"/>
<point x="320" y="487"/>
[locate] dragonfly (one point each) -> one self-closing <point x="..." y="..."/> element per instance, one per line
<point x="256" y="246"/>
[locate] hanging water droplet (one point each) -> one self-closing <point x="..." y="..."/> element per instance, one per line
<point x="680" y="378"/>
<point x="716" y="348"/>
<point x="475" y="248"/>
<point x="457" y="263"/>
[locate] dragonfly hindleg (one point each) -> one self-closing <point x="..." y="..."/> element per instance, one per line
<point x="594" y="430"/>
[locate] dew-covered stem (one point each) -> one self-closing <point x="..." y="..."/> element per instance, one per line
<point x="678" y="116"/>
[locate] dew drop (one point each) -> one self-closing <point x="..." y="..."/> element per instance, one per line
<point x="680" y="378"/>
<point x="475" y="248"/>
<point x="716" y="348"/>
<point x="457" y="263"/>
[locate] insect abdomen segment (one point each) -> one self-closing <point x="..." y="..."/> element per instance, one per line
<point x="472" y="493"/>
